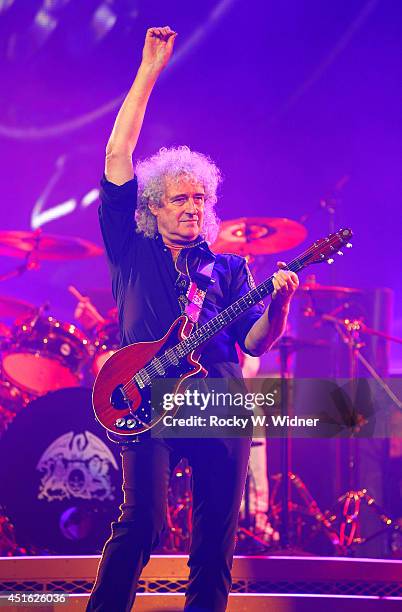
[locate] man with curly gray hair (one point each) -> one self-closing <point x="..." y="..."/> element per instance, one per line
<point x="158" y="222"/>
<point x="168" y="165"/>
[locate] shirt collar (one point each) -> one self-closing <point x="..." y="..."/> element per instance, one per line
<point x="199" y="243"/>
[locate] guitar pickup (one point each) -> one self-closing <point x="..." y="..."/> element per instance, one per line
<point x="158" y="366"/>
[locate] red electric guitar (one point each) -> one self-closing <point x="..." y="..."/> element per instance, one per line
<point x="122" y="390"/>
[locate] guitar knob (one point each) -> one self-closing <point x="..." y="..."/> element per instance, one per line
<point x="120" y="422"/>
<point x="131" y="423"/>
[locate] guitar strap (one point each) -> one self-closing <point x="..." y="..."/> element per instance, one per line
<point x="198" y="281"/>
<point x="197" y="289"/>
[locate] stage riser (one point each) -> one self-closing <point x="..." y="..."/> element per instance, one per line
<point x="252" y="576"/>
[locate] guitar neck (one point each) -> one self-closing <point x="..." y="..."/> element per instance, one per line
<point x="224" y="318"/>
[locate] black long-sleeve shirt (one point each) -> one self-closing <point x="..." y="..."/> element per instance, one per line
<point x="147" y="285"/>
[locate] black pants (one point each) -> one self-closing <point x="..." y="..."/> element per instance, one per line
<point x="219" y="471"/>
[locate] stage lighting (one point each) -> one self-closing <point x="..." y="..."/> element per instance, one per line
<point x="103" y="21"/>
<point x="89" y="198"/>
<point x="42" y="27"/>
<point x="5" y="4"/>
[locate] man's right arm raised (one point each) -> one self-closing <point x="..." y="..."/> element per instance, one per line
<point x="156" y="53"/>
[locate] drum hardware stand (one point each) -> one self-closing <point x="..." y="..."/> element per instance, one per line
<point x="249" y="543"/>
<point x="349" y="530"/>
<point x="309" y="506"/>
<point x="30" y="263"/>
<point x="347" y="513"/>
<point x="40" y="310"/>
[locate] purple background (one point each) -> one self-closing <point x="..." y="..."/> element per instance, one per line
<point x="288" y="99"/>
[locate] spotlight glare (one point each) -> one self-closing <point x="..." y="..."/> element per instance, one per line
<point x="90" y="198"/>
<point x="61" y="210"/>
<point x="5" y="5"/>
<point x="44" y="21"/>
<point x="103" y="21"/>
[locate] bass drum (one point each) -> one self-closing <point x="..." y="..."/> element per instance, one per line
<point x="60" y="478"/>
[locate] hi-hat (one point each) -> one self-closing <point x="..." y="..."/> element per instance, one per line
<point x="47" y="247"/>
<point x="258" y="235"/>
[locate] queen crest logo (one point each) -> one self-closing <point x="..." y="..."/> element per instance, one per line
<point x="76" y="466"/>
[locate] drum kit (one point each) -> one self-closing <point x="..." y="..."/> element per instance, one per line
<point x="60" y="481"/>
<point x="41" y="354"/>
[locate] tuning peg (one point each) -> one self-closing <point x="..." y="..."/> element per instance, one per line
<point x="330" y="260"/>
<point x="349" y="245"/>
<point x="340" y="253"/>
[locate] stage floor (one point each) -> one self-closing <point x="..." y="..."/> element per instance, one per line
<point x="263" y="583"/>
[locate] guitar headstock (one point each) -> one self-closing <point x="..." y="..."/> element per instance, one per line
<point x="327" y="248"/>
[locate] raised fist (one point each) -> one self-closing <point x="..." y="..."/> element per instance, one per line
<point x="158" y="47"/>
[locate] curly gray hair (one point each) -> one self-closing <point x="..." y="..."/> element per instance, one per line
<point x="175" y="162"/>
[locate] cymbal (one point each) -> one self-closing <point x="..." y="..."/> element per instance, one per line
<point x="293" y="344"/>
<point x="317" y="290"/>
<point x="11" y="307"/>
<point x="258" y="235"/>
<point x="47" y="247"/>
